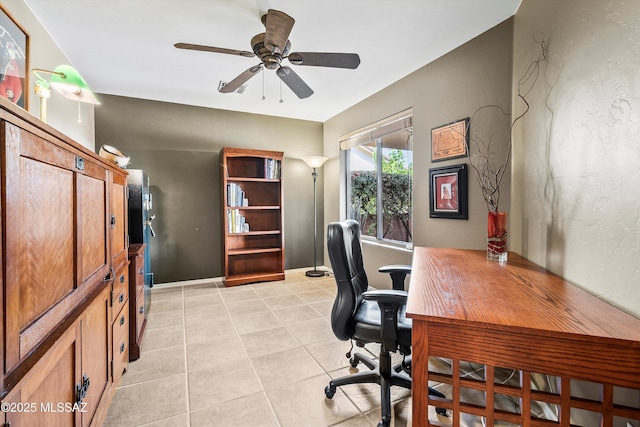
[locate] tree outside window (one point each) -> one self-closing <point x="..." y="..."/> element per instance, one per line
<point x="380" y="181"/>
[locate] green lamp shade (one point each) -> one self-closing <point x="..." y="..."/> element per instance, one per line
<point x="70" y="84"/>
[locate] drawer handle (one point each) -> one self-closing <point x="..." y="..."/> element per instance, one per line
<point x="121" y="298"/>
<point x="141" y="309"/>
<point x="122" y="347"/>
<point x="141" y="271"/>
<point x="122" y="320"/>
<point x="122" y="279"/>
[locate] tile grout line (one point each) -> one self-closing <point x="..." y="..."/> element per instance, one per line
<point x="253" y="368"/>
<point x="304" y="347"/>
<point x="272" y="311"/>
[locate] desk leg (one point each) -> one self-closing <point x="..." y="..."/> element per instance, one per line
<point x="420" y="374"/>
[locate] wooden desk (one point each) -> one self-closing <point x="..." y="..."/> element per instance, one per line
<point x="519" y="316"/>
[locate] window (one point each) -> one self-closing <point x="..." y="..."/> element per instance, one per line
<point x="379" y="170"/>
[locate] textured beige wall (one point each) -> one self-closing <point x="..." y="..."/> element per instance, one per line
<point x="450" y="88"/>
<point x="44" y="53"/>
<point x="576" y="169"/>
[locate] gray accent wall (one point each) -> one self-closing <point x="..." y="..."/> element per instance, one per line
<point x="178" y="146"/>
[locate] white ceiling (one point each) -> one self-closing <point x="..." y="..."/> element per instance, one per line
<point x="125" y="47"/>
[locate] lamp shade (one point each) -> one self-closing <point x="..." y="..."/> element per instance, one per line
<point x="314" y="161"/>
<point x="69" y="83"/>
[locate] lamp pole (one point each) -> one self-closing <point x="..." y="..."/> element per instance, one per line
<point x="314" y="162"/>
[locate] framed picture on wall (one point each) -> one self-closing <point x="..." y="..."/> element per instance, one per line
<point x="14" y="60"/>
<point x="450" y="141"/>
<point x="448" y="196"/>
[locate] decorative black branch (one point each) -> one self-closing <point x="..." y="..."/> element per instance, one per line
<point x="489" y="173"/>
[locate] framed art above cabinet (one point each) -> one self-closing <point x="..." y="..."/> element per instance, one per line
<point x="14" y="60"/>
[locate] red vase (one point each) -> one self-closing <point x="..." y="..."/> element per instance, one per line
<point x="497" y="236"/>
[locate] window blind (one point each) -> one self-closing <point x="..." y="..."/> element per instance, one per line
<point x="400" y="121"/>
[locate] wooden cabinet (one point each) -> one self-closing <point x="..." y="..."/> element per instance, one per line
<point x="64" y="248"/>
<point x="253" y="244"/>
<point x="137" y="321"/>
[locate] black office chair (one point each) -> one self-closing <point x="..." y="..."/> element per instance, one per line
<point x="356" y="315"/>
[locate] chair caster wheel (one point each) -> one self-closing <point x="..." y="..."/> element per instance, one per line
<point x="353" y="362"/>
<point x="384" y="423"/>
<point x="329" y="391"/>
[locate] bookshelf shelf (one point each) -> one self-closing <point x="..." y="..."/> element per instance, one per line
<point x="253" y="244"/>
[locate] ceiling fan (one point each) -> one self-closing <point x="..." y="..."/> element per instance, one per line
<point x="272" y="47"/>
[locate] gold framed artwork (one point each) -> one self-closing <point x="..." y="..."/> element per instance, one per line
<point x="450" y="141"/>
<point x="14" y="60"/>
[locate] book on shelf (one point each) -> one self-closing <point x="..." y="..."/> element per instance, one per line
<point x="272" y="168"/>
<point x="236" y="222"/>
<point x="235" y="196"/>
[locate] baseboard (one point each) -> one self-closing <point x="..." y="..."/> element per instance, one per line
<point x="220" y="279"/>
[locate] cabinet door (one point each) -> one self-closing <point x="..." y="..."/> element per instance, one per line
<point x="118" y="219"/>
<point x="91" y="196"/>
<point x="96" y="347"/>
<point x="49" y="191"/>
<point x="47" y="394"/>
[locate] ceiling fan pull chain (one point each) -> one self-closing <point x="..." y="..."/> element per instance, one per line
<point x="263" y="97"/>
<point x="281" y="101"/>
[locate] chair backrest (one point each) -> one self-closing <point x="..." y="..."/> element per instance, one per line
<point x="345" y="254"/>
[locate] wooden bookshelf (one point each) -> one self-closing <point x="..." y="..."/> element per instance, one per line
<point x="252" y="217"/>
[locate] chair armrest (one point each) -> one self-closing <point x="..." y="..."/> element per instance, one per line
<point x="395" y="268"/>
<point x="398" y="272"/>
<point x="387" y="297"/>
<point x="390" y="303"/>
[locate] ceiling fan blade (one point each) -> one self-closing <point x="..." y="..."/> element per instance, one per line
<point x="279" y="26"/>
<point x="234" y="84"/>
<point x="321" y="59"/>
<point x="295" y="83"/>
<point x="214" y="49"/>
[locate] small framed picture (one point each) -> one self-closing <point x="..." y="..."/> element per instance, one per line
<point x="448" y="192"/>
<point x="14" y="60"/>
<point x="450" y="141"/>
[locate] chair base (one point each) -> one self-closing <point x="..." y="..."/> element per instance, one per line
<point x="390" y="376"/>
<point x="383" y="374"/>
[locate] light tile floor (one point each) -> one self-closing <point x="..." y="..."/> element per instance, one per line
<point x="252" y="355"/>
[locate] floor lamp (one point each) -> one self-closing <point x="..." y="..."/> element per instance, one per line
<point x="314" y="162"/>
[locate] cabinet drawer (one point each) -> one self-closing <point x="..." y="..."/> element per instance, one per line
<point x="120" y="291"/>
<point x="120" y="342"/>
<point x="139" y="314"/>
<point x="139" y="266"/>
